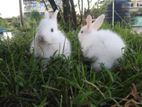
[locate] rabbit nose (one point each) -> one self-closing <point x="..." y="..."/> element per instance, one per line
<point x="41" y="39"/>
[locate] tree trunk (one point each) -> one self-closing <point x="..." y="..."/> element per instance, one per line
<point x="80" y="6"/>
<point x="69" y="14"/>
<point x="66" y="10"/>
<point x="21" y="13"/>
<point x="88" y="3"/>
<point x="45" y="4"/>
<point x="73" y="14"/>
<point x="53" y="4"/>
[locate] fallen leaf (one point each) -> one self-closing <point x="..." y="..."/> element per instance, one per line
<point x="130" y="103"/>
<point x="135" y="93"/>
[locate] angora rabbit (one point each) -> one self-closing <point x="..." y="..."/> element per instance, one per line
<point x="49" y="40"/>
<point x="102" y="46"/>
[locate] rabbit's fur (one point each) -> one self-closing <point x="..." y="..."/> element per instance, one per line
<point x="49" y="40"/>
<point x="101" y="46"/>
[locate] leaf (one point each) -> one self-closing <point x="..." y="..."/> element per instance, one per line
<point x="82" y="97"/>
<point x="135" y="93"/>
<point x="114" y="105"/>
<point x="130" y="103"/>
<point x="38" y="0"/>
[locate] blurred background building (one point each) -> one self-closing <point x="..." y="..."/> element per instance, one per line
<point x="33" y="5"/>
<point x="135" y="9"/>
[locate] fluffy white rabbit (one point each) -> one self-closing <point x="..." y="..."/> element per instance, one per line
<point x="49" y="40"/>
<point x="102" y="46"/>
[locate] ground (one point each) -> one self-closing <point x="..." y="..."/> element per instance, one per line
<point x="68" y="82"/>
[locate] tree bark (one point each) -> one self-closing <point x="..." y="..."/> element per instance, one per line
<point x="53" y="5"/>
<point x="69" y="14"/>
<point x="66" y="13"/>
<point x="45" y="4"/>
<point x="73" y="14"/>
<point x="21" y="13"/>
<point x="80" y="6"/>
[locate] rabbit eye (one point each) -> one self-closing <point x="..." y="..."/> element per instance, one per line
<point x="82" y="31"/>
<point x="52" y="30"/>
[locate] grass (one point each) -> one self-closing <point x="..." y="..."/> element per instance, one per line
<point x="24" y="82"/>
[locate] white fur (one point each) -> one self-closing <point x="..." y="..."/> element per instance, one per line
<point x="102" y="46"/>
<point x="53" y="43"/>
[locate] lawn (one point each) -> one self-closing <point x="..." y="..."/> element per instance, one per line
<point x="26" y="82"/>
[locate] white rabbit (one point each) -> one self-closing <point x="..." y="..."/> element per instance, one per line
<point x="102" y="46"/>
<point x="49" y="40"/>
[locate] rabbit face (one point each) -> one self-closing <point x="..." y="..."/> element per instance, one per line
<point x="84" y="31"/>
<point x="91" y="27"/>
<point x="48" y="29"/>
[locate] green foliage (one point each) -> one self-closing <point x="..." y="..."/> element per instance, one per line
<point x="32" y="19"/>
<point x="3" y="22"/>
<point x="35" y="16"/>
<point x="25" y="81"/>
<point x="98" y="10"/>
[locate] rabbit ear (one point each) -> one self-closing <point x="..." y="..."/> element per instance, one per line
<point x="98" y="22"/>
<point x="56" y="12"/>
<point x="89" y="21"/>
<point x="51" y="14"/>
